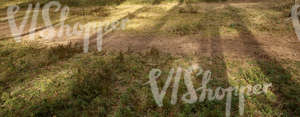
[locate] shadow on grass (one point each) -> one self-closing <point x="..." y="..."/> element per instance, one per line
<point x="161" y="21"/>
<point x="95" y="79"/>
<point x="20" y="63"/>
<point x="217" y="66"/>
<point x="98" y="83"/>
<point x="91" y="92"/>
<point x="284" y="87"/>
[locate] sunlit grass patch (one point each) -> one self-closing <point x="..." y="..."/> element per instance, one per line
<point x="262" y="19"/>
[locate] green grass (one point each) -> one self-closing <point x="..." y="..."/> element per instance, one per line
<point x="61" y="81"/>
<point x="38" y="80"/>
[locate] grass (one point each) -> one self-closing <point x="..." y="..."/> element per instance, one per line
<point x="60" y="80"/>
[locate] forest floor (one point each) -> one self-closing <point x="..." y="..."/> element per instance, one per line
<point x="241" y="43"/>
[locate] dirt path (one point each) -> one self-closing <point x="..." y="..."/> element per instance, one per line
<point x="199" y="46"/>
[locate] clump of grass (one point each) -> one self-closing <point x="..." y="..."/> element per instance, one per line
<point x="253" y="75"/>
